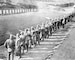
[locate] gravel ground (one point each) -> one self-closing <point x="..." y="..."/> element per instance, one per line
<point x="67" y="50"/>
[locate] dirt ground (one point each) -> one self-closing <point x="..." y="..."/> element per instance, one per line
<point x="67" y="50"/>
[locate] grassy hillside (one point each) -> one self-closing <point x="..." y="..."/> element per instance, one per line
<point x="14" y="22"/>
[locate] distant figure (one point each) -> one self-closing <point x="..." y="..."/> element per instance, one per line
<point x="33" y="36"/>
<point x="63" y="23"/>
<point x="27" y="39"/>
<point x="46" y="30"/>
<point x="42" y="32"/>
<point x="10" y="46"/>
<point x="18" y="46"/>
<point x="50" y="28"/>
<point x="37" y="34"/>
<point x="22" y="41"/>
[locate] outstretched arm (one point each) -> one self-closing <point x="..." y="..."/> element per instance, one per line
<point x="5" y="44"/>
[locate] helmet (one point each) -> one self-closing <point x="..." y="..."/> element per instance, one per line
<point x="32" y="28"/>
<point x="27" y="29"/>
<point x="11" y="37"/>
<point x="46" y="25"/>
<point x="37" y="28"/>
<point x="42" y="26"/>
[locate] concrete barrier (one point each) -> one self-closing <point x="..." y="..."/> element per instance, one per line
<point x="10" y="11"/>
<point x="23" y="10"/>
<point x="20" y="10"/>
<point x="7" y="12"/>
<point x="32" y="10"/>
<point x="3" y="12"/>
<point x="26" y="10"/>
<point x="0" y="12"/>
<point x="29" y="10"/>
<point x="35" y="10"/>
<point x="16" y="11"/>
<point x="13" y="11"/>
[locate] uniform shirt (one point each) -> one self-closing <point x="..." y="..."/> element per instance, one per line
<point x="21" y="36"/>
<point x="63" y="21"/>
<point x="9" y="44"/>
<point x="42" y="27"/>
<point x="28" y="33"/>
<point x="17" y="42"/>
<point x="32" y="31"/>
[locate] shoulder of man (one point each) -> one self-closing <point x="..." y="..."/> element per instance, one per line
<point x="7" y="40"/>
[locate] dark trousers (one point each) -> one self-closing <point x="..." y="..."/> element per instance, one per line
<point x="20" y="52"/>
<point x="10" y="55"/>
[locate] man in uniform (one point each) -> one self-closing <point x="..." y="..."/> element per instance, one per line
<point x="10" y="45"/>
<point x="63" y="22"/>
<point x="33" y="34"/>
<point x="50" y="28"/>
<point x="42" y="32"/>
<point x="18" y="45"/>
<point x="22" y="40"/>
<point x="58" y="23"/>
<point x="28" y="39"/>
<point x="47" y="30"/>
<point x="37" y="34"/>
<point x="53" y="27"/>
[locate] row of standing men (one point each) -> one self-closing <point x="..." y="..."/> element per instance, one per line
<point x="25" y="39"/>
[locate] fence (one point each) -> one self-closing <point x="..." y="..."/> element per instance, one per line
<point x="16" y="11"/>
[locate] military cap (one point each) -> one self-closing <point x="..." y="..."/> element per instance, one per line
<point x="42" y="26"/>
